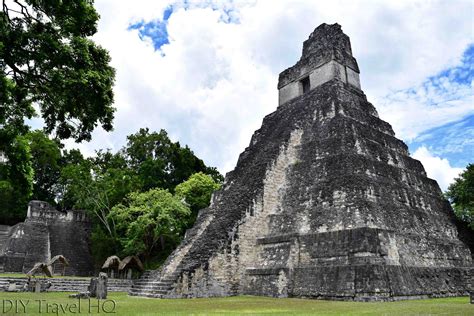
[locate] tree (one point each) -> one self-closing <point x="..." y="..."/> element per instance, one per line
<point x="197" y="192"/>
<point x="48" y="59"/>
<point x="103" y="185"/>
<point x="16" y="178"/>
<point x="149" y="160"/>
<point x="65" y="196"/>
<point x="46" y="163"/>
<point x="161" y="163"/>
<point x="148" y="219"/>
<point x="96" y="185"/>
<point x="461" y="195"/>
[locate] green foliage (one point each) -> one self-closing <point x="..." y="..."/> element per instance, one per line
<point x="70" y="162"/>
<point x="47" y="58"/>
<point x="197" y="191"/>
<point x="108" y="184"/>
<point x="46" y="159"/>
<point x="96" y="185"/>
<point x="461" y="196"/>
<point x="16" y="178"/>
<point x="148" y="218"/>
<point x="127" y="194"/>
<point x="103" y="245"/>
<point x="161" y="163"/>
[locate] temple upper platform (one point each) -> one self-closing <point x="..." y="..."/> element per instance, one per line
<point x="326" y="55"/>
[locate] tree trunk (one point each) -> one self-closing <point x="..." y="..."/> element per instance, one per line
<point x="162" y="241"/>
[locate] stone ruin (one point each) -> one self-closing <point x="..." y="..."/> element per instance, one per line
<point x="44" y="234"/>
<point x="325" y="202"/>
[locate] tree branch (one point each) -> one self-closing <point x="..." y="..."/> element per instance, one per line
<point x="25" y="12"/>
<point x="5" y="10"/>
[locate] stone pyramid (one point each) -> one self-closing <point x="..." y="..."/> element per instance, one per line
<point x="325" y="202"/>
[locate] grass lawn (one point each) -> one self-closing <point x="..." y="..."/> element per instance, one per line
<point x="240" y="305"/>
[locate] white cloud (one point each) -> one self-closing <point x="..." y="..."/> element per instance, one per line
<point x="217" y="81"/>
<point x="436" y="167"/>
<point x="437" y="101"/>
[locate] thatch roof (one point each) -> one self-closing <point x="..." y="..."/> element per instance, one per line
<point x="59" y="258"/>
<point x="131" y="262"/>
<point x="41" y="267"/>
<point x="112" y="262"/>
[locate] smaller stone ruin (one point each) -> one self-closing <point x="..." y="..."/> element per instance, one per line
<point x="48" y="235"/>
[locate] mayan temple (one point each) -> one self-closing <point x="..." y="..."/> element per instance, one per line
<point x="325" y="202"/>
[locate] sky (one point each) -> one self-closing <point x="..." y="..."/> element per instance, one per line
<point x="207" y="71"/>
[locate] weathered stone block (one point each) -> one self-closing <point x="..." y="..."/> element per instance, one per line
<point x="12" y="287"/>
<point x="101" y="289"/>
<point x="46" y="233"/>
<point x="37" y="287"/>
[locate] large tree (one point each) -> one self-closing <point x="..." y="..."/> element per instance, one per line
<point x="162" y="163"/>
<point x="461" y="195"/>
<point x="97" y="184"/>
<point x="146" y="220"/>
<point x="46" y="163"/>
<point x="16" y="178"/>
<point x="149" y="161"/>
<point x="197" y="192"/>
<point x="47" y="59"/>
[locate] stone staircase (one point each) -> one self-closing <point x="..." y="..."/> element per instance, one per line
<point x="69" y="284"/>
<point x="152" y="285"/>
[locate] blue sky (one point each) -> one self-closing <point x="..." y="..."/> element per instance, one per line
<point x="206" y="71"/>
<point x="453" y="141"/>
<point x="155" y="30"/>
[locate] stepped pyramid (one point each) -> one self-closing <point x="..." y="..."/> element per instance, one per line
<point x="325" y="202"/>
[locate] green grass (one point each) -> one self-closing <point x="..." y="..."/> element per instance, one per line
<point x="243" y="305"/>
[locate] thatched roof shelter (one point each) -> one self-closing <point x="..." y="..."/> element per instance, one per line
<point x="112" y="262"/>
<point x="40" y="267"/>
<point x="131" y="262"/>
<point x="59" y="259"/>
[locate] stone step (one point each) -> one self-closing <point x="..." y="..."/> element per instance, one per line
<point x="151" y="292"/>
<point x="170" y="280"/>
<point x="154" y="284"/>
<point x="149" y="295"/>
<point x="148" y="286"/>
<point x="70" y="285"/>
<point x="152" y="287"/>
<point x="140" y="282"/>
